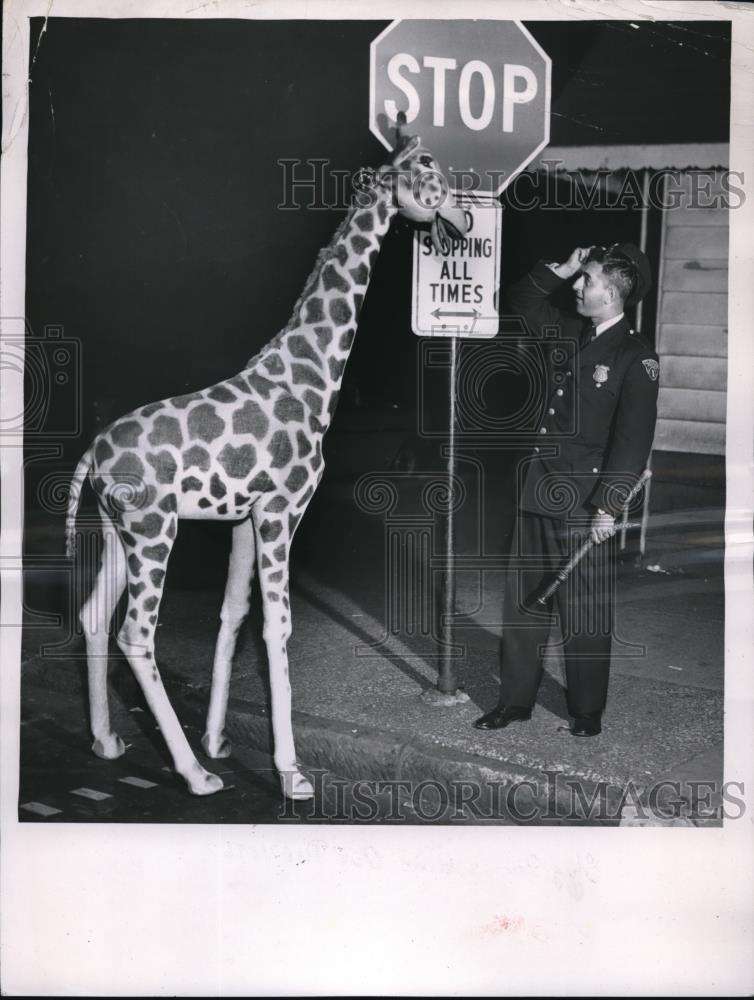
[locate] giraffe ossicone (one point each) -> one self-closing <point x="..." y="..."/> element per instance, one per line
<point x="246" y="450"/>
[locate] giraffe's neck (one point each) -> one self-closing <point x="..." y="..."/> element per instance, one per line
<point x="311" y="352"/>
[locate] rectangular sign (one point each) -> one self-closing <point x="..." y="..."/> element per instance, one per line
<point x="455" y="294"/>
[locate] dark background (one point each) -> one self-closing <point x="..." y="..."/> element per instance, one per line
<point x="154" y="233"/>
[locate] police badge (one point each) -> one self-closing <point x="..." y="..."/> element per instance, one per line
<point x="600" y="375"/>
<point x="652" y="368"/>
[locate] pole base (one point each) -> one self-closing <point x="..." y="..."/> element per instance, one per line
<point x="438" y="699"/>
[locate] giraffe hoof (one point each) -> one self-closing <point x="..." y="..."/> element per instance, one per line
<point x="201" y="782"/>
<point x="295" y="786"/>
<point x="216" y="748"/>
<point x="109" y="748"/>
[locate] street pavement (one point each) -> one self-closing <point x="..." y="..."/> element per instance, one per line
<point x="62" y="781"/>
<point x="379" y="752"/>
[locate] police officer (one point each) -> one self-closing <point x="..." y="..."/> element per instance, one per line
<point x="594" y="438"/>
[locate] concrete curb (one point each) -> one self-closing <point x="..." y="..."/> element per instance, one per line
<point x="373" y="756"/>
<point x="483" y="786"/>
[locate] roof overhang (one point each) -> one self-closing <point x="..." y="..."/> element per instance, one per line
<point x="673" y="156"/>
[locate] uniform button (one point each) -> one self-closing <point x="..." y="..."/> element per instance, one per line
<point x="551" y="411"/>
<point x="569" y="374"/>
<point x="558" y="392"/>
<point x="542" y="430"/>
<point x="536" y="450"/>
<point x="598" y="386"/>
<point x="595" y="470"/>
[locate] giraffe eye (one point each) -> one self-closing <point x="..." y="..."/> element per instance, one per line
<point x="425" y="160"/>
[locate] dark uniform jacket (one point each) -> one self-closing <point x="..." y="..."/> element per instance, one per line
<point x="599" y="419"/>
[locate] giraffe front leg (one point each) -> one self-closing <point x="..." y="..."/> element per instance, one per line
<point x="273" y="545"/>
<point x="234" y="611"/>
<point x="95" y="617"/>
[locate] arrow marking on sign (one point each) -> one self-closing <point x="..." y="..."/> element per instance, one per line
<point x="437" y="313"/>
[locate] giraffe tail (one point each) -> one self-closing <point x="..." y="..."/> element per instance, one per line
<point x="74" y="497"/>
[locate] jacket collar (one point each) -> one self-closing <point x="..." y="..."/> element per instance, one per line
<point x="599" y="348"/>
<point x="608" y="323"/>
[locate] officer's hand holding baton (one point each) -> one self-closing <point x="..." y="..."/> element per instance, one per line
<point x="602" y="526"/>
<point x="605" y="527"/>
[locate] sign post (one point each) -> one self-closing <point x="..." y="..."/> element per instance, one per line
<point x="478" y="94"/>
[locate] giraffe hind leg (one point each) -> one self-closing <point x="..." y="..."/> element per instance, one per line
<point x="145" y="569"/>
<point x="234" y="611"/>
<point x="95" y="617"/>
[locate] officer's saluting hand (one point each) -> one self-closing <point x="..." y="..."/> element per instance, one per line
<point x="574" y="263"/>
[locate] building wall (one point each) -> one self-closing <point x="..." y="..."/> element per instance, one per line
<point x="692" y="324"/>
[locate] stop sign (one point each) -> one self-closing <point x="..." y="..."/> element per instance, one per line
<point x="477" y="92"/>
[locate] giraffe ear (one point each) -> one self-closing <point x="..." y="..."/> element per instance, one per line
<point x="401" y="135"/>
<point x="405" y="142"/>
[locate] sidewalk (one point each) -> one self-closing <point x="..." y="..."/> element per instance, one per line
<point x="358" y="711"/>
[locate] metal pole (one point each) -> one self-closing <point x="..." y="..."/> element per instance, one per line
<point x="643" y="233"/>
<point x="658" y="347"/>
<point x="446" y="681"/>
<point x="645" y="514"/>
<point x="639" y="314"/>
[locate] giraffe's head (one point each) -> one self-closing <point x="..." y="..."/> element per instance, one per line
<point x="421" y="192"/>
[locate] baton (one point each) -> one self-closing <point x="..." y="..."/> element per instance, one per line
<point x="582" y="550"/>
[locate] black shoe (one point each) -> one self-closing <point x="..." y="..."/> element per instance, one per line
<point x="586" y="725"/>
<point x="502" y="716"/>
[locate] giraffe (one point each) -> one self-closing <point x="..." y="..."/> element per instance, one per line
<point x="246" y="450"/>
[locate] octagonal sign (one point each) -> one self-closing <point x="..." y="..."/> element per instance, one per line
<point x="477" y="92"/>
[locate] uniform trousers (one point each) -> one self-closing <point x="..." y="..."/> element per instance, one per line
<point x="585" y="606"/>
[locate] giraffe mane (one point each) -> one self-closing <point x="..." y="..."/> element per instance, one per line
<point x="324" y="255"/>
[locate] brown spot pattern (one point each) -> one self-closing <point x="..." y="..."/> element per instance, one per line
<point x="274" y="364"/>
<point x="198" y="456"/>
<point x="280" y="449"/>
<point x="250" y="419"/>
<point x="340" y="312"/>
<point x="304" y="375"/>
<point x="128" y="468"/>
<point x="204" y="423"/>
<point x="164" y="465"/>
<point x="126" y="434"/>
<point x="238" y="462"/>
<point x="217" y="487"/>
<point x="222" y="394"/>
<point x="288" y="408"/>
<point x="102" y="451"/>
<point x="166" y="430"/>
<point x="314" y="312"/>
<point x="300" y="347"/>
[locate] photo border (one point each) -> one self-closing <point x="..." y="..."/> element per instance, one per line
<point x="189" y="910"/>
